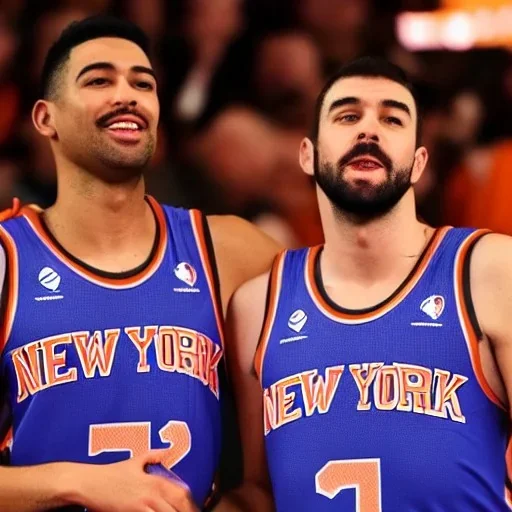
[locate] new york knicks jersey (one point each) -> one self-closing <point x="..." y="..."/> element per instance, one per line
<point x="385" y="409"/>
<point x="100" y="367"/>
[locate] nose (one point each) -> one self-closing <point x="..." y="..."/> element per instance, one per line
<point x="368" y="137"/>
<point x="369" y="130"/>
<point x="124" y="94"/>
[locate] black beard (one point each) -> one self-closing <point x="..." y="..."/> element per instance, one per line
<point x="365" y="202"/>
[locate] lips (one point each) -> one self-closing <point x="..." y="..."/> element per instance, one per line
<point x="360" y="156"/>
<point x="123" y="127"/>
<point x="126" y="122"/>
<point x="366" y="163"/>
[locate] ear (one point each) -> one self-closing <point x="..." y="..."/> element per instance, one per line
<point x="307" y="156"/>
<point x="43" y="119"/>
<point x="420" y="162"/>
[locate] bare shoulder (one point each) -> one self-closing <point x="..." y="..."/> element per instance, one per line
<point x="242" y="251"/>
<point x="251" y="296"/>
<point x="491" y="261"/>
<point x="230" y="231"/>
<point x="491" y="282"/>
<point x="245" y="318"/>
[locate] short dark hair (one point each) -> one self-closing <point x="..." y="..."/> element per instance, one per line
<point x="79" y="32"/>
<point x="367" y="67"/>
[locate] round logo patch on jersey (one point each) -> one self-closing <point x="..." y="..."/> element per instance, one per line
<point x="186" y="272"/>
<point x="433" y="306"/>
<point x="297" y="320"/>
<point x="49" y="279"/>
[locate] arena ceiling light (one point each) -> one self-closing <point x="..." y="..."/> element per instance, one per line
<point x="459" y="25"/>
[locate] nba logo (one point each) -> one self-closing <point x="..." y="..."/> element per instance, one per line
<point x="186" y="272"/>
<point x="433" y="306"/>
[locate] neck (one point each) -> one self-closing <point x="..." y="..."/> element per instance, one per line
<point x="375" y="250"/>
<point x="91" y="215"/>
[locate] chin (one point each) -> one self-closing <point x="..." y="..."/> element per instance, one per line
<point x="127" y="161"/>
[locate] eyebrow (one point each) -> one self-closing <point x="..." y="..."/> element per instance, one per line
<point x="109" y="66"/>
<point x="352" y="100"/>
<point x="396" y="104"/>
<point x="349" y="100"/>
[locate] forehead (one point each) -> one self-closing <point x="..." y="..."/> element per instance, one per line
<point x="371" y="91"/>
<point x="120" y="52"/>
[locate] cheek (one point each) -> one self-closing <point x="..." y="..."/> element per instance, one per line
<point x="334" y="145"/>
<point x="402" y="155"/>
<point x="90" y="107"/>
<point x="154" y="108"/>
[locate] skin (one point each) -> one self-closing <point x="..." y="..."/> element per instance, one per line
<point x="365" y="258"/>
<point x="101" y="217"/>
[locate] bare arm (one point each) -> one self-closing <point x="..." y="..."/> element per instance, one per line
<point x="242" y="252"/>
<point x="491" y="289"/>
<point x="28" y="489"/>
<point x="114" y="487"/>
<point x="245" y="320"/>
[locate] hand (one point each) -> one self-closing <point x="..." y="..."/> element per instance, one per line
<point x="126" y="487"/>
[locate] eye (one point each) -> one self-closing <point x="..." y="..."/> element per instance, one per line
<point x="394" y="120"/>
<point x="145" y="85"/>
<point x="97" y="81"/>
<point x="347" y="118"/>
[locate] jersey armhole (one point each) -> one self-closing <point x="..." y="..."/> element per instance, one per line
<point x="471" y="327"/>
<point x="508" y="476"/>
<point x="230" y="463"/>
<point x="9" y="297"/>
<point x="4" y="286"/>
<point x="207" y="253"/>
<point x="230" y="457"/>
<point x="6" y="304"/>
<point x="5" y="429"/>
<point x="5" y="420"/>
<point x="210" y="251"/>
<point x="271" y="303"/>
<point x="466" y="284"/>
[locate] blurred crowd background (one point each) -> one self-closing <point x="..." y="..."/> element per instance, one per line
<point x="238" y="81"/>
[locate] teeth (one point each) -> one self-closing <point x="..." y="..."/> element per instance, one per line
<point x="124" y="125"/>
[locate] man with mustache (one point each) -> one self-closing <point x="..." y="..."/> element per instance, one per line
<point x="370" y="398"/>
<point x="112" y="330"/>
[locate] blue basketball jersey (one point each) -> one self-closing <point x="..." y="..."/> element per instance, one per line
<point x="101" y="367"/>
<point x="385" y="409"/>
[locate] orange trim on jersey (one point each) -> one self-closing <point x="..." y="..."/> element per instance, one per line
<point x="388" y="305"/>
<point x="4" y="443"/>
<point x="508" y="497"/>
<point x="465" y="319"/>
<point x="196" y="218"/>
<point x="508" y="461"/>
<point x="11" y="212"/>
<point x="11" y="285"/>
<point x="274" y="290"/>
<point x="34" y="219"/>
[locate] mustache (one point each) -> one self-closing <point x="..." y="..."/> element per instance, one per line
<point x="103" y="121"/>
<point x="366" y="149"/>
